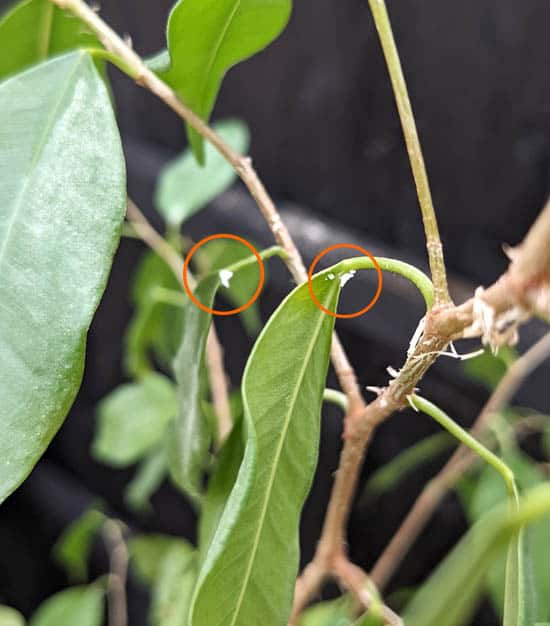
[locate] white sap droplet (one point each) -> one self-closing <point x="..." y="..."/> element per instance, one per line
<point x="331" y="276"/>
<point x="346" y="276"/>
<point x="225" y="277"/>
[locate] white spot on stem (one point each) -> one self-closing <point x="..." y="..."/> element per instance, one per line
<point x="225" y="277"/>
<point x="346" y="276"/>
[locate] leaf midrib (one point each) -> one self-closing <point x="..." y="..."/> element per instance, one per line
<point x="39" y="150"/>
<point x="271" y="480"/>
<point x="215" y="52"/>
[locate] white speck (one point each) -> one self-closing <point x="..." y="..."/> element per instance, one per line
<point x="392" y="371"/>
<point x="225" y="277"/>
<point x="331" y="276"/>
<point x="346" y="276"/>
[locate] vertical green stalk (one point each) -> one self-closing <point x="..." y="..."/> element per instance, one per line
<point x="433" y="240"/>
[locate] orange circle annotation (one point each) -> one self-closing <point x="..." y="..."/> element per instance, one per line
<point x="312" y="269"/>
<point x="189" y="291"/>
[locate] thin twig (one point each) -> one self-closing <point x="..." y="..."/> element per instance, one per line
<point x="359" y="584"/>
<point x="133" y="65"/>
<point x="434" y="492"/>
<point x="118" y="559"/>
<point x="433" y="240"/>
<point x="214" y="352"/>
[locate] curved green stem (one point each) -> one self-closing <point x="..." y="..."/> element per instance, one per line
<point x="410" y="272"/>
<point x="251" y="260"/>
<point x="336" y="397"/>
<point x="111" y="57"/>
<point x="464" y="437"/>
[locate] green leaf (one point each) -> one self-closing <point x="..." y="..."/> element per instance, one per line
<point x="488" y="492"/>
<point x="206" y="39"/>
<point x="489" y="368"/>
<point x="389" y="475"/>
<point x="10" y="617"/>
<point x="252" y="561"/>
<point x="62" y="202"/>
<point x="173" y="588"/>
<point x="147" y="553"/>
<point x="193" y="431"/>
<point x="184" y="187"/>
<point x="148" y="478"/>
<point x="520" y="601"/>
<point x="34" y="30"/>
<point x="77" y="605"/>
<point x="133" y="418"/>
<point x="72" y="549"/>
<point x="155" y="326"/>
<point x="220" y="485"/>
<point x="331" y="613"/>
<point x="450" y="595"/>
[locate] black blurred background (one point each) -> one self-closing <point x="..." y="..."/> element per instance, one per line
<point x="327" y="142"/>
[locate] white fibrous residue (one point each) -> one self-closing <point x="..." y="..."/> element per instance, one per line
<point x="225" y="277"/>
<point x="346" y="276"/>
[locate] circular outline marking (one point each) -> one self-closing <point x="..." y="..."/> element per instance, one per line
<point x="314" y="264"/>
<point x="186" y="267"/>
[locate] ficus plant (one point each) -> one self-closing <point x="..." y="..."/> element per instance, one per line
<point x="245" y="458"/>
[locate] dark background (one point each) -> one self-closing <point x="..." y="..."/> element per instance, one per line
<point x="326" y="141"/>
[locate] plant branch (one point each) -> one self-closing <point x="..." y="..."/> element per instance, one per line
<point x="442" y="324"/>
<point x="133" y="65"/>
<point x="433" y="240"/>
<point x="118" y="557"/>
<point x="438" y="487"/>
<point x="214" y="352"/>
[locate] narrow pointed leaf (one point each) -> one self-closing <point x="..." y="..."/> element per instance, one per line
<point x="205" y="39"/>
<point x="450" y="595"/>
<point x="34" y="30"/>
<point x="252" y="560"/>
<point x="62" y="202"/>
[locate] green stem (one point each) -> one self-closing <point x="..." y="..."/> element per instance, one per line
<point x="336" y="397"/>
<point x="464" y="437"/>
<point x="433" y="240"/>
<point x="111" y="57"/>
<point x="251" y="260"/>
<point x="411" y="273"/>
<point x="169" y="296"/>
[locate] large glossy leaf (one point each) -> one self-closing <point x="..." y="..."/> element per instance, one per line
<point x="34" y="30"/>
<point x="10" y="617"/>
<point x="184" y="187"/>
<point x="77" y="605"/>
<point x="133" y="418"/>
<point x="450" y="595"/>
<point x="252" y="560"/>
<point x="62" y="202"/>
<point x="207" y="37"/>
